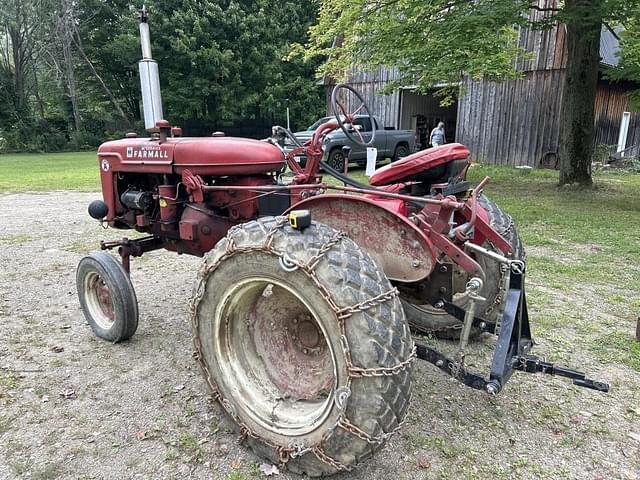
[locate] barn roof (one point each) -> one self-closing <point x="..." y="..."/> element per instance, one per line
<point x="610" y="46"/>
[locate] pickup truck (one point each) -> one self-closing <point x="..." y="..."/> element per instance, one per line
<point x="390" y="143"/>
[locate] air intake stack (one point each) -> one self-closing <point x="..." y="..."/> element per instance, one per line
<point x="149" y="77"/>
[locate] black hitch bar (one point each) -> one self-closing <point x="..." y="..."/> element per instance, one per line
<point x="512" y="347"/>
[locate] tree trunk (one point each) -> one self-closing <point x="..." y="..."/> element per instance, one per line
<point x="583" y="22"/>
<point x="71" y="82"/>
<point x="36" y="90"/>
<point x="66" y="31"/>
<point x="17" y="45"/>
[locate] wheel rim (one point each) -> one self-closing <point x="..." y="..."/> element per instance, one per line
<point x="402" y="152"/>
<point x="273" y="356"/>
<point x="337" y="161"/>
<point x="98" y="300"/>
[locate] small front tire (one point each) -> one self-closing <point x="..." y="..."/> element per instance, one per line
<point x="107" y="297"/>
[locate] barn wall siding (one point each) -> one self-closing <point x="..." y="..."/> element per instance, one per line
<point x="611" y="102"/>
<point x="511" y="123"/>
<point x="515" y="122"/>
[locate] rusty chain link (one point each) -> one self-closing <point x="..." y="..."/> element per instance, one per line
<point x="292" y="451"/>
<point x="346" y="312"/>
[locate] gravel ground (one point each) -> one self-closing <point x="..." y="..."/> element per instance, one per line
<point x="73" y="406"/>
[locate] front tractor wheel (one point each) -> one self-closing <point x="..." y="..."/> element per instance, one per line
<point x="304" y="343"/>
<point x="107" y="297"/>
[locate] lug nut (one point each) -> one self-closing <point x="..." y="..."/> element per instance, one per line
<point x="305" y="351"/>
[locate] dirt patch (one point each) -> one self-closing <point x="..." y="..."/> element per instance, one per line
<point x="72" y="406"/>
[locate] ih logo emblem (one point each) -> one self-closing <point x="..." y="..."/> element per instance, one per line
<point x="129" y="152"/>
<point x="105" y="165"/>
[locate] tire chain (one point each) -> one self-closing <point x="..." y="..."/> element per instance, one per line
<point x="289" y="452"/>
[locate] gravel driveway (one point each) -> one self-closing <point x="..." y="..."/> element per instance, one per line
<point x="73" y="406"/>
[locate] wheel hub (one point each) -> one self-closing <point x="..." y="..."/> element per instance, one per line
<point x="99" y="301"/>
<point x="308" y="334"/>
<point x="290" y="343"/>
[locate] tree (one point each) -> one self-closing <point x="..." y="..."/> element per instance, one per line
<point x="19" y="22"/>
<point x="436" y="41"/>
<point x="629" y="67"/>
<point x="69" y="73"/>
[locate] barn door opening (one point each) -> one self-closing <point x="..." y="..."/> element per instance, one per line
<point x="422" y="112"/>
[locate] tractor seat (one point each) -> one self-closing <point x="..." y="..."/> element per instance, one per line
<point x="433" y="165"/>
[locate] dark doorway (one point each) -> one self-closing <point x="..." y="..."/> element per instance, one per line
<point x="421" y="113"/>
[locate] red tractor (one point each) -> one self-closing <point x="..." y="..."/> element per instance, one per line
<point x="307" y="292"/>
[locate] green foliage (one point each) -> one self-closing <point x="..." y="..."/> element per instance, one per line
<point x="429" y="42"/>
<point x="222" y="64"/>
<point x="225" y="60"/>
<point x="629" y="66"/>
<point x="434" y="42"/>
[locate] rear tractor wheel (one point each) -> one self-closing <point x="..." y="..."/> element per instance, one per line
<point x="428" y="319"/>
<point x="304" y="343"/>
<point x="107" y="297"/>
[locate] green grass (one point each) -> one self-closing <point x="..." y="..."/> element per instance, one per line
<point x="50" y="171"/>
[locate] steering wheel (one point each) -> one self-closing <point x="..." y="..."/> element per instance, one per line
<point x="340" y="111"/>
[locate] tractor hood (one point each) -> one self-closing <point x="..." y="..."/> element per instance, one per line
<point x="201" y="155"/>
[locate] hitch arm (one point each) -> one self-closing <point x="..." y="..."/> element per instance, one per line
<point x="533" y="364"/>
<point x="512" y="346"/>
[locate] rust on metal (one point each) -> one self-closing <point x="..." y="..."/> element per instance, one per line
<point x="104" y="297"/>
<point x="292" y="346"/>
<point x="396" y="244"/>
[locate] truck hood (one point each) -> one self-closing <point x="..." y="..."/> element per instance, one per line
<point x="305" y="135"/>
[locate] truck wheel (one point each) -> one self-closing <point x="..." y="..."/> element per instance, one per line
<point x="427" y="319"/>
<point x="336" y="159"/>
<point x="401" y="151"/>
<point x="303" y="342"/>
<point x="107" y="297"/>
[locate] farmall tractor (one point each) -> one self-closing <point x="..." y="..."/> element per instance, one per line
<point x="303" y="307"/>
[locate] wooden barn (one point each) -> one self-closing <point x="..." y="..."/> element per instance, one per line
<point x="514" y="122"/>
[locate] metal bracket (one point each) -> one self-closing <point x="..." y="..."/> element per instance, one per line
<point x="128" y="248"/>
<point x="459" y="313"/>
<point x="512" y="347"/>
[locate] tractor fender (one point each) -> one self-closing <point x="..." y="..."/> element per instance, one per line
<point x="400" y="248"/>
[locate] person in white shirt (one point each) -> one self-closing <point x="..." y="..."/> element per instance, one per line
<point x="437" y="136"/>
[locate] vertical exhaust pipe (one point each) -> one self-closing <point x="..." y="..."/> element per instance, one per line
<point x="149" y="77"/>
